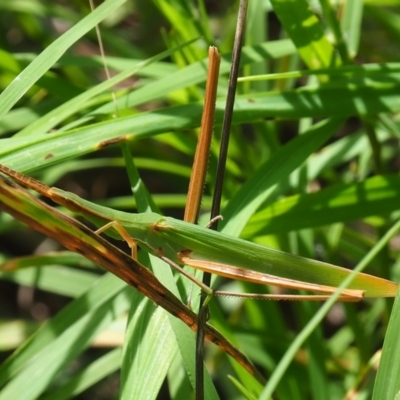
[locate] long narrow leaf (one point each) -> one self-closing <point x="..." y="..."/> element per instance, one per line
<point x="52" y="53"/>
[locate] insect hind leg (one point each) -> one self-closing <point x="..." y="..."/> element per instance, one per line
<point x="124" y="235"/>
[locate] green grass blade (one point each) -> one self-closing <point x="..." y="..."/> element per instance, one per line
<point x="102" y="292"/>
<point x="263" y="184"/>
<point x="149" y="349"/>
<point x="336" y="100"/>
<point x="341" y="203"/>
<point x="68" y="108"/>
<point x="194" y="74"/>
<point x="95" y="372"/>
<point x="312" y="44"/>
<point x="351" y="25"/>
<point x="387" y="382"/>
<point x="52" y="278"/>
<point x="52" y="53"/>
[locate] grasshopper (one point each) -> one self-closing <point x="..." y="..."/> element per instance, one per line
<point x="181" y="243"/>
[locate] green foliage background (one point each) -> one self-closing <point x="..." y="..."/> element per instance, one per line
<point x="330" y="198"/>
